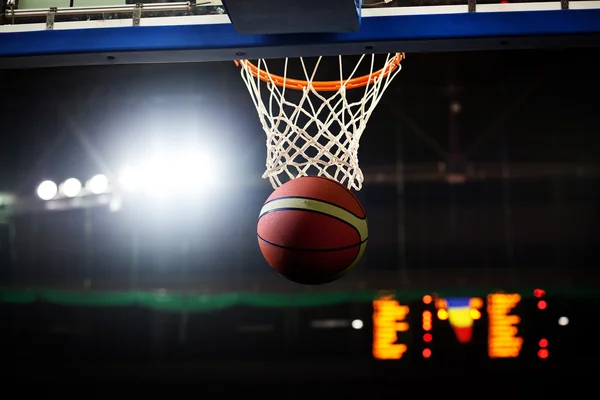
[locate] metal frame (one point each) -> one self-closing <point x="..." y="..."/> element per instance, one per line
<point x="126" y="8"/>
<point x="212" y="38"/>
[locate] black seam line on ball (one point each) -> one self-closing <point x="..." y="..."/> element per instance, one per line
<point x="312" y="250"/>
<point x="339" y="184"/>
<point x="322" y="201"/>
<point x="316" y="212"/>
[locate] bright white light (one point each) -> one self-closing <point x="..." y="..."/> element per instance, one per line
<point x="71" y="187"/>
<point x="98" y="184"/>
<point x="130" y="179"/>
<point x="198" y="171"/>
<point x="357" y="324"/>
<point x="563" y="321"/>
<point x="47" y="190"/>
<point x="186" y="173"/>
<point x="159" y="177"/>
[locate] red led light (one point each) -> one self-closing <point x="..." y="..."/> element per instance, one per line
<point x="543" y="353"/>
<point x="427" y="299"/>
<point x="538" y="293"/>
<point x="426" y="353"/>
<point x="427" y="337"/>
<point x="544" y="343"/>
<point x="542" y="305"/>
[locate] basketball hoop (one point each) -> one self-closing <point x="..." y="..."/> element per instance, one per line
<point x="317" y="131"/>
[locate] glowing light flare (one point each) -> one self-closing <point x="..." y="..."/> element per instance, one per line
<point x="542" y="305"/>
<point x="427" y="299"/>
<point x="427" y="321"/>
<point x="426" y="353"/>
<point x="441" y="304"/>
<point x="130" y="179"/>
<point x="538" y="293"/>
<point x="427" y="337"/>
<point x="476" y="303"/>
<point x="442" y="314"/>
<point x="47" y="190"/>
<point x="188" y="172"/>
<point x="563" y="321"/>
<point x="194" y="171"/>
<point x="543" y="343"/>
<point x="502" y="331"/>
<point x="388" y="319"/>
<point x="98" y="184"/>
<point x="71" y="187"/>
<point x="543" y="353"/>
<point x="475" y="314"/>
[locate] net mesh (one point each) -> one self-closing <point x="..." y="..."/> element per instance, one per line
<point x="314" y="127"/>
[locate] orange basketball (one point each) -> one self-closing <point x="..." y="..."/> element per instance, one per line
<point x="312" y="230"/>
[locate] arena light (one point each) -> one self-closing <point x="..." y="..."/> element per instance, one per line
<point x="71" y="187"/>
<point x="159" y="178"/>
<point x="129" y="179"/>
<point x="47" y="190"/>
<point x="357" y="324"/>
<point x="98" y="184"/>
<point x="186" y="173"/>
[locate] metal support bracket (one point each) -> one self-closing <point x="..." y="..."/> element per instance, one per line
<point x="137" y="14"/>
<point x="50" y="18"/>
<point x="472" y="6"/>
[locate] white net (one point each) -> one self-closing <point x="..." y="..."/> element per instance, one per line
<point x="314" y="127"/>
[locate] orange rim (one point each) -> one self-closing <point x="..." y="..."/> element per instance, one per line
<point x="322" y="86"/>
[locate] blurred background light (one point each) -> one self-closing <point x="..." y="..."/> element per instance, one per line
<point x="542" y="305"/>
<point x="47" y="190"/>
<point x="442" y="314"/>
<point x="180" y="175"/>
<point x="71" y="187"/>
<point x="130" y="179"/>
<point x="98" y="184"/>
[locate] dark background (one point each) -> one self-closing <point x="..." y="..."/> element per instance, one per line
<point x="526" y="138"/>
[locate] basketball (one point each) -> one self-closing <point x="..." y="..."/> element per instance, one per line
<point x="312" y="230"/>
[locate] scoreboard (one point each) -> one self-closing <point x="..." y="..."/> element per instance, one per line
<point x="496" y="320"/>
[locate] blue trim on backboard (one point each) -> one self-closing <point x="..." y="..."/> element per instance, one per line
<point x="373" y="30"/>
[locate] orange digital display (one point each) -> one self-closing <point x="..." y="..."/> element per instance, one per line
<point x="388" y="319"/>
<point x="503" y="341"/>
<point x="426" y="321"/>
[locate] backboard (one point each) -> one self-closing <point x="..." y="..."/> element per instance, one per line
<point x="37" y="33"/>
